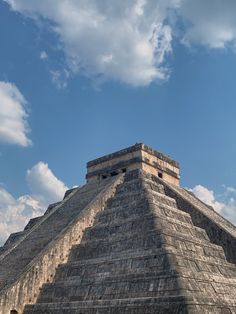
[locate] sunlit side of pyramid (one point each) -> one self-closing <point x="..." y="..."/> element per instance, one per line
<point x="130" y="240"/>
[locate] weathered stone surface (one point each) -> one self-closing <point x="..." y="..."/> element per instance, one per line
<point x="33" y="259"/>
<point x="138" y="156"/>
<point x="132" y="243"/>
<point x="219" y="230"/>
<point x="142" y="255"/>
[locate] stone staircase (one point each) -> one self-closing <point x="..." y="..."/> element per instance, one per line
<point x="143" y="254"/>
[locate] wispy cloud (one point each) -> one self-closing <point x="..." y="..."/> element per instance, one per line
<point x="43" y="55"/>
<point x="59" y="78"/>
<point x="13" y="116"/>
<point x="45" y="188"/>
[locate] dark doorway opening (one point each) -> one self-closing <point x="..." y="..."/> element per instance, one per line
<point x="114" y="173"/>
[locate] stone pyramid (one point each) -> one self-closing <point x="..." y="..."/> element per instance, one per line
<point x="131" y="240"/>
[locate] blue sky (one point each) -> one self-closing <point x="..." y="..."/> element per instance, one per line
<point x="80" y="79"/>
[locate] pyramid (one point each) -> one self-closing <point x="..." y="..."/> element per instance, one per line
<point x="130" y="240"/>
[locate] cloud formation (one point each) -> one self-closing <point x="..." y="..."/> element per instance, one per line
<point x="15" y="213"/>
<point x="13" y="116"/>
<point x="211" y="23"/>
<point x="225" y="204"/>
<point x="122" y="40"/>
<point x="129" y="41"/>
<point x="43" y="184"/>
<point x="43" y="55"/>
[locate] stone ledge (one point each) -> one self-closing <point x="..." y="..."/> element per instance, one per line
<point x="134" y="148"/>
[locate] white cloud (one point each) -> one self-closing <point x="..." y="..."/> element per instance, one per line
<point x="129" y="41"/>
<point x="13" y="116"/>
<point x="207" y="196"/>
<point x="43" y="55"/>
<point x="122" y="40"/>
<point x="43" y="184"/>
<point x="15" y="213"/>
<point x="225" y="203"/>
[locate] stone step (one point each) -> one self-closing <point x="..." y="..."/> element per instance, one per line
<point x="157" y="187"/>
<point x="138" y="184"/>
<point x="133" y="198"/>
<point x="152" y="264"/>
<point x="121" y="243"/>
<point x="208" y="276"/>
<point x="68" y="192"/>
<point x="13" y="238"/>
<point x="157" y="264"/>
<point x="146" y="222"/>
<point x="200" y="264"/>
<point x="149" y="259"/>
<point x="112" y="287"/>
<point x="51" y="207"/>
<point x="158" y="261"/>
<point x="193" y="247"/>
<point x="199" y="256"/>
<point x="122" y="213"/>
<point x="150" y="284"/>
<point x="148" y="305"/>
<point x="148" y="240"/>
<point x="170" y="212"/>
<point x="167" y="236"/>
<point x="32" y="222"/>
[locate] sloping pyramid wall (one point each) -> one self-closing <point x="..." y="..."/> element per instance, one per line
<point x="143" y="254"/>
<point x="30" y="258"/>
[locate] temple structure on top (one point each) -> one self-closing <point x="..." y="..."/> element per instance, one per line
<point x="138" y="156"/>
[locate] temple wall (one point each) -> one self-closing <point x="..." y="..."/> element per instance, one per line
<point x="136" y="157"/>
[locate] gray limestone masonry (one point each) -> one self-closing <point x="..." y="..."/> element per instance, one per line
<point x="129" y="243"/>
